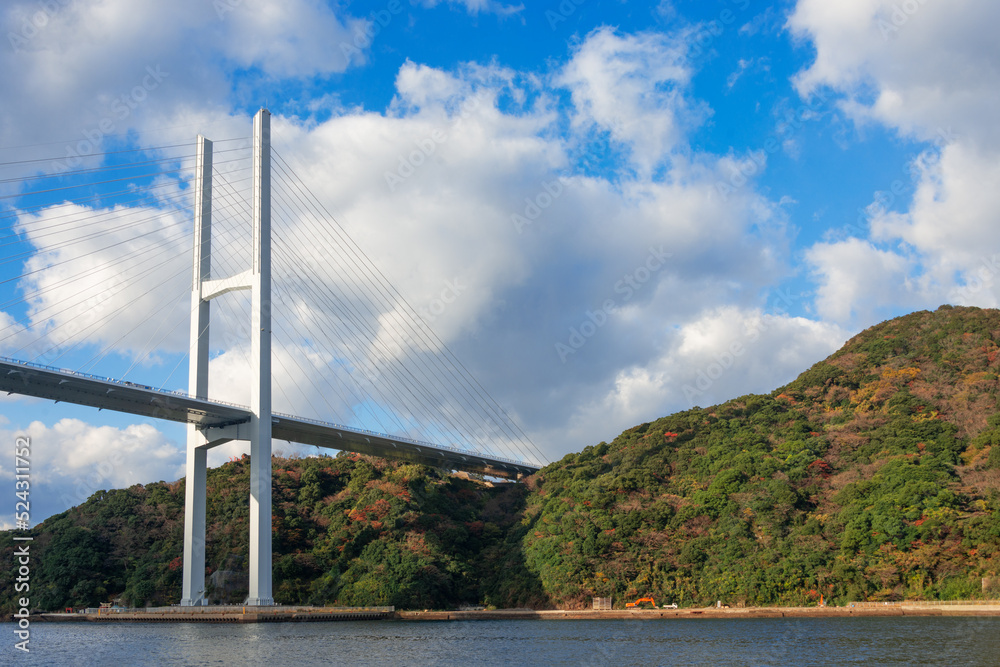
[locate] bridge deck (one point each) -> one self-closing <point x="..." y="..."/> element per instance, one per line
<point x="18" y="377"/>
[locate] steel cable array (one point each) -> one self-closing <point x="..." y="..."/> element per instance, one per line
<point x="346" y="344"/>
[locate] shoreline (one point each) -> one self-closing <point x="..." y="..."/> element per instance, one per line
<point x="238" y="614"/>
<point x="912" y="609"/>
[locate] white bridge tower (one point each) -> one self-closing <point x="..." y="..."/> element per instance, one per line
<point x="257" y="279"/>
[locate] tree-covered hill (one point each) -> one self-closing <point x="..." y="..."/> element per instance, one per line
<point x="348" y="530"/>
<point x="874" y="475"/>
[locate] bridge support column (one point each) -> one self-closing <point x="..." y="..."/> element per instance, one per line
<point x="260" y="357"/>
<point x="193" y="583"/>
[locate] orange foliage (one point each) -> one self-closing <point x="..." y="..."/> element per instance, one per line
<point x="821" y="467"/>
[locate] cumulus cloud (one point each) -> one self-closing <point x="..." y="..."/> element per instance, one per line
<point x="71" y="460"/>
<point x="494" y="203"/>
<point x="927" y="71"/>
<point x="858" y="281"/>
<point x="477" y="6"/>
<point x="473" y="188"/>
<point x="951" y="221"/>
<point x="921" y="67"/>
<point x="69" y="75"/>
<point x="722" y="353"/>
<point x="99" y="274"/>
<point x="632" y="86"/>
<point x="290" y="39"/>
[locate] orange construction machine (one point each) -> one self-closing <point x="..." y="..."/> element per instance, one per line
<point x="640" y="601"/>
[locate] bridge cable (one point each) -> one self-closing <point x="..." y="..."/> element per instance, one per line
<point x="347" y="316"/>
<point x="227" y="193"/>
<point x="436" y="373"/>
<point x="499" y="417"/>
<point x="350" y="315"/>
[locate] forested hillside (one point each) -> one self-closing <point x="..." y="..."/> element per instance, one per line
<point x="874" y="475"/>
<point x="350" y="530"/>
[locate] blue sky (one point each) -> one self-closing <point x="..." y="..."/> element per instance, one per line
<point x="629" y="208"/>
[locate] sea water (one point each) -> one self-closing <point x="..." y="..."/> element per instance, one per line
<point x="865" y="641"/>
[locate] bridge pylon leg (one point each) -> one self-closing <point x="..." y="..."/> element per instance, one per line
<point x="260" y="357"/>
<point x="193" y="583"/>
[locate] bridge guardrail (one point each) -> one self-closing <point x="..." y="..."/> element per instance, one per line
<point x="411" y="441"/>
<point x="123" y="383"/>
<point x="183" y="394"/>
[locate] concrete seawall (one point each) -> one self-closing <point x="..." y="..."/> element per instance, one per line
<point x="707" y="612"/>
<point x="226" y="615"/>
<point x="236" y="614"/>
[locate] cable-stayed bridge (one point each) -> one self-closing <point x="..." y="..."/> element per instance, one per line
<point x="68" y="386"/>
<point x="349" y="349"/>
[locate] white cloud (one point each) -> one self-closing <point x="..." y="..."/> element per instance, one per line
<point x="744" y="65"/>
<point x="291" y="39"/>
<point x="952" y="218"/>
<point x="477" y="6"/>
<point x="723" y="353"/>
<point x="99" y="274"/>
<point x="857" y="280"/>
<point x="633" y="87"/>
<point x="70" y="460"/>
<point x="72" y="74"/>
<point x="463" y="166"/>
<point x="923" y="70"/>
<point x="450" y="218"/>
<point x="928" y="71"/>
